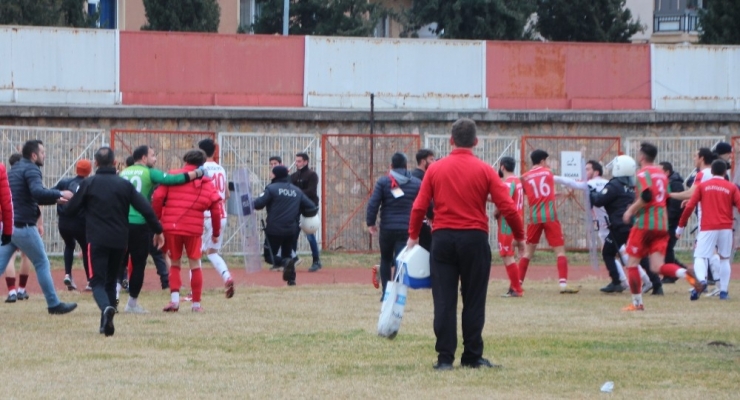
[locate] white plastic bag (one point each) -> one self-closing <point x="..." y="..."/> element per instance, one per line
<point x="394" y="302"/>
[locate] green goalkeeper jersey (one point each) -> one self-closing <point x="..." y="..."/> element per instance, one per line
<point x="144" y="178"/>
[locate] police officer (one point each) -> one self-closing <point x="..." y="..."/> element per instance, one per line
<point x="285" y="202"/>
<point x="616" y="197"/>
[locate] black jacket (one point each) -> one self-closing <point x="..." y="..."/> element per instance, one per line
<point x="418" y="173"/>
<point x="308" y="181"/>
<point x="106" y="198"/>
<point x="285" y="202"/>
<point x="28" y="191"/>
<point x="394" y="212"/>
<point x="675" y="183"/>
<point x="71" y="184"/>
<point x="616" y="198"/>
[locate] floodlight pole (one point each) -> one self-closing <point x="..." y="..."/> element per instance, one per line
<point x="286" y="13"/>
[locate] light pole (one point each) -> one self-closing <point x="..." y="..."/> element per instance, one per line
<point x="286" y="8"/>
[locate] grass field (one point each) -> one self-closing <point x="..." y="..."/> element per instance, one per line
<point x="320" y="342"/>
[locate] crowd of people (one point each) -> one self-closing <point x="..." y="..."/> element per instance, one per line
<point x="638" y="215"/>
<point x="120" y="218"/>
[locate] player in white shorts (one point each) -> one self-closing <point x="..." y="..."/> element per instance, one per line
<point x="717" y="197"/>
<point x="211" y="248"/>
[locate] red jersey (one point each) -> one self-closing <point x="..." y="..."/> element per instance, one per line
<point x="717" y="196"/>
<point x="517" y="196"/>
<point x="539" y="186"/>
<point x="460" y="184"/>
<point x="653" y="216"/>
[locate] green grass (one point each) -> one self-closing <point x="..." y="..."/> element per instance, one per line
<point x="320" y="342"/>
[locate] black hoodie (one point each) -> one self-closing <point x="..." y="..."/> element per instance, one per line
<point x="675" y="183"/>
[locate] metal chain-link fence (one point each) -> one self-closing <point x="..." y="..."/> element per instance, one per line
<point x="64" y="147"/>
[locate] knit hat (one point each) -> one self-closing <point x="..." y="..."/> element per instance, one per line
<point x="84" y="167"/>
<point x="723" y="148"/>
<point x="280" y="172"/>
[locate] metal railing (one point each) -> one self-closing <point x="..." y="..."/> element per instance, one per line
<point x="676" y="23"/>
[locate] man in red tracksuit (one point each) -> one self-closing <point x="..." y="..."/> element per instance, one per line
<point x="717" y="197"/>
<point x="180" y="209"/>
<point x="460" y="186"/>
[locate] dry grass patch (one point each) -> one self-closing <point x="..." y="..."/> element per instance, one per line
<point x="320" y="342"/>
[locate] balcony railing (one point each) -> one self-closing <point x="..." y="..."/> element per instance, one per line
<point x="676" y="23"/>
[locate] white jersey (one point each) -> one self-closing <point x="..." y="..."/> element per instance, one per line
<point x="601" y="218"/>
<point x="218" y="176"/>
<point x="701" y="176"/>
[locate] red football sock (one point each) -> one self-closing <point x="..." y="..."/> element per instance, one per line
<point x="563" y="268"/>
<point x="175" y="282"/>
<point x="633" y="276"/>
<point x="10" y="282"/>
<point x="23" y="279"/>
<point x="523" y="265"/>
<point x="669" y="270"/>
<point x="196" y="284"/>
<point x="513" y="271"/>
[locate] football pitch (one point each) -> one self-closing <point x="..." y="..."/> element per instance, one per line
<point x="320" y="341"/>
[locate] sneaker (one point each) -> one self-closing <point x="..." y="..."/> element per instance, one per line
<point x="276" y="268"/>
<point x="69" y="283"/>
<point x="189" y="297"/>
<point x="512" y="293"/>
<point x="612" y="288"/>
<point x="197" y="309"/>
<point x="137" y="309"/>
<point x="657" y="291"/>
<point x="376" y="284"/>
<point x="172" y="307"/>
<point x="22" y="295"/>
<point x="88" y="288"/>
<point x="668" y="279"/>
<point x="229" y="288"/>
<point x="695" y="293"/>
<point x="165" y="285"/>
<point x="714" y="292"/>
<point x="11" y="298"/>
<point x="633" y="307"/>
<point x="724" y="296"/>
<point x="291" y="283"/>
<point x="62" y="308"/>
<point x="481" y="363"/>
<point x="691" y="278"/>
<point x="107" y="322"/>
<point x="443" y="366"/>
<point x="315" y="266"/>
<point x="646" y="286"/>
<point x="124" y="284"/>
<point x="567" y="290"/>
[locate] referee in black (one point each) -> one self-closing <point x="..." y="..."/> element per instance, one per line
<point x="106" y="198"/>
<point x="460" y="186"/>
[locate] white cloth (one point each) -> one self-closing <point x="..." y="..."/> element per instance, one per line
<point x="218" y="177"/>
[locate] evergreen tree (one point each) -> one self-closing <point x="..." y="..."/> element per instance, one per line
<point x="320" y="17"/>
<point x="472" y="19"/>
<point x="720" y="22"/>
<point x="45" y="13"/>
<point x="182" y="15"/>
<point x="586" y="21"/>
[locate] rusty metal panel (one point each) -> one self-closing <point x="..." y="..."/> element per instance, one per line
<point x="175" y="68"/>
<point x="696" y="77"/>
<point x="58" y="65"/>
<point x="402" y="73"/>
<point x="523" y="75"/>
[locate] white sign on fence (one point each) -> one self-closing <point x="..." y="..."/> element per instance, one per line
<point x="572" y="165"/>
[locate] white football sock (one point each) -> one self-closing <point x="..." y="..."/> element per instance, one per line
<point x="700" y="269"/>
<point x="196" y="304"/>
<point x="620" y="271"/>
<point x="175" y="297"/>
<point x="637" y="299"/>
<point x="12" y="292"/>
<point x="725" y="270"/>
<point x="714" y="265"/>
<point x="681" y="273"/>
<point x="220" y="265"/>
<point x="21" y="290"/>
